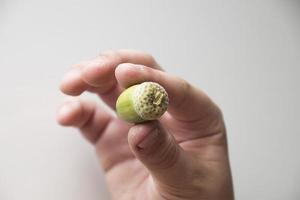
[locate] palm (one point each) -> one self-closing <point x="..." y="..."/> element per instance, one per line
<point x="125" y="168"/>
<point x="192" y="119"/>
<point x="125" y="173"/>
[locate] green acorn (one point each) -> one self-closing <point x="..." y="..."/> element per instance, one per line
<point x="142" y="102"/>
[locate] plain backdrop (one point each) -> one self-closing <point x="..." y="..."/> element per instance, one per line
<point x="244" y="54"/>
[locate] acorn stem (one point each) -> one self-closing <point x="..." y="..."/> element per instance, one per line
<point x="158" y="98"/>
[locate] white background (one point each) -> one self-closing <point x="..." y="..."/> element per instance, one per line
<point x="244" y="54"/>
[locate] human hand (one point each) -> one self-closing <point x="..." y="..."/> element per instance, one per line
<point x="183" y="155"/>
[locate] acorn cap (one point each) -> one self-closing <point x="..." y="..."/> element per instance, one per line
<point x="142" y="102"/>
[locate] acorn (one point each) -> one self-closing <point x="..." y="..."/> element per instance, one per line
<point x="142" y="102"/>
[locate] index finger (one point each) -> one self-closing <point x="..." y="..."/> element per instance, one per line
<point x="98" y="75"/>
<point x="186" y="102"/>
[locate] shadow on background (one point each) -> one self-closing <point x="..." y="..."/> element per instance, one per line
<point x="294" y="5"/>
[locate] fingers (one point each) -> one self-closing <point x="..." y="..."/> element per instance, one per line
<point x="98" y="75"/>
<point x="85" y="115"/>
<point x="101" y="71"/>
<point x="72" y="83"/>
<point x="159" y="152"/>
<point x="186" y="103"/>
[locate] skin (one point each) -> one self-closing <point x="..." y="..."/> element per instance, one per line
<point x="183" y="155"/>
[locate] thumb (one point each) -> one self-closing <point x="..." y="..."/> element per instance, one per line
<point x="159" y="152"/>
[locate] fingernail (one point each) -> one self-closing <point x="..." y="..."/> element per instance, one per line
<point x="65" y="110"/>
<point x="137" y="67"/>
<point x="71" y="75"/>
<point x="132" y="67"/>
<point x="149" y="139"/>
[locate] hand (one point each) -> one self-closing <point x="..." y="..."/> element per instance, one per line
<point x="183" y="155"/>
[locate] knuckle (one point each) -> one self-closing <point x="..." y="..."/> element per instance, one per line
<point x="185" y="89"/>
<point x="107" y="53"/>
<point x="110" y="54"/>
<point x="149" y="57"/>
<point x="218" y="110"/>
<point x="79" y="65"/>
<point x="164" y="153"/>
<point x="186" y="86"/>
<point x="150" y="60"/>
<point x="167" y="157"/>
